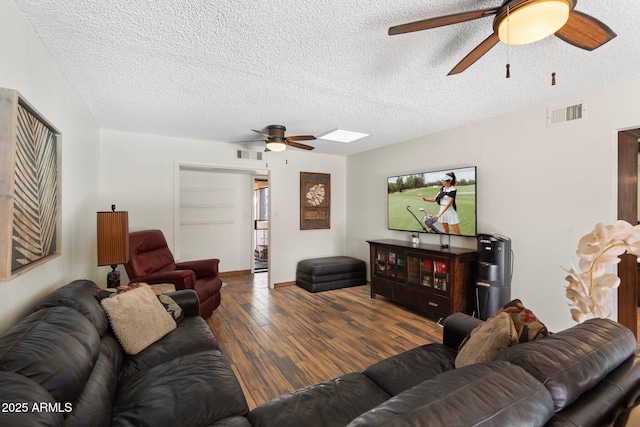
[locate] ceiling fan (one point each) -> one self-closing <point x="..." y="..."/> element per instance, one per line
<point x="522" y="22"/>
<point x="277" y="141"/>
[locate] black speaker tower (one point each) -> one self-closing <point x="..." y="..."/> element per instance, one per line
<point x="493" y="286"/>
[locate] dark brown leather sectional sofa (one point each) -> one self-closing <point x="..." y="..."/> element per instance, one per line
<point x="64" y="358"/>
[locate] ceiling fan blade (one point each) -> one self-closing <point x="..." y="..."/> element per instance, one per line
<point x="441" y="21"/>
<point x="261" y="133"/>
<point x="585" y="31"/>
<point x="249" y="141"/>
<point x="300" y="138"/>
<point x="475" y="54"/>
<point x="298" y="145"/>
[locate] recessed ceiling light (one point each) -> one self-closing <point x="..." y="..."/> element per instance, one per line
<point x="342" y="135"/>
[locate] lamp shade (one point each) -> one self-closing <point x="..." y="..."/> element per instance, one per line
<point x="113" y="238"/>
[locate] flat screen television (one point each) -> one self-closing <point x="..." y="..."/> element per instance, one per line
<point x="415" y="200"/>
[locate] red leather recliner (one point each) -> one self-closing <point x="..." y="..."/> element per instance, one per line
<point x="151" y="261"/>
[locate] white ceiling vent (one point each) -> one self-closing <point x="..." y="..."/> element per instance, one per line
<point x="248" y="155"/>
<point x="565" y="114"/>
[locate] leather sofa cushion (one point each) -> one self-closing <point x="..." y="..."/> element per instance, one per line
<point x="15" y="388"/>
<point x="331" y="403"/>
<point x="484" y="394"/>
<point x="626" y="378"/>
<point x="405" y="370"/>
<point x="93" y="408"/>
<point x="202" y="385"/>
<point x="55" y="347"/>
<point x="192" y="335"/>
<point x="600" y="406"/>
<point x="574" y="360"/>
<point x="79" y="295"/>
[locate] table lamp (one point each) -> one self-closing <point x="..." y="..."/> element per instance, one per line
<point x="113" y="242"/>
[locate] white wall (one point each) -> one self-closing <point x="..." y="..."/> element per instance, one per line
<point x="27" y="67"/>
<point x="542" y="187"/>
<point x="138" y="173"/>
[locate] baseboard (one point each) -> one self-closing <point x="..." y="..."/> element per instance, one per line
<point x="283" y="284"/>
<point x="234" y="273"/>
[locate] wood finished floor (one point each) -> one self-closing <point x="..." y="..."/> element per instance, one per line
<point x="279" y="340"/>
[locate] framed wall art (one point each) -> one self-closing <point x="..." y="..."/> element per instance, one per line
<point x="30" y="187"/>
<point x="315" y="201"/>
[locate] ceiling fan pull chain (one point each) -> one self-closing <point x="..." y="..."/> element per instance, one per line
<point x="508" y="65"/>
<point x="553" y="73"/>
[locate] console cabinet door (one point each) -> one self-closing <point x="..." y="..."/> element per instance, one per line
<point x="407" y="295"/>
<point x="381" y="255"/>
<point x="430" y="272"/>
<point x="442" y="275"/>
<point x="390" y="263"/>
<point x="426" y="278"/>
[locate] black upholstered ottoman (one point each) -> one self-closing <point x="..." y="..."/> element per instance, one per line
<point x="323" y="274"/>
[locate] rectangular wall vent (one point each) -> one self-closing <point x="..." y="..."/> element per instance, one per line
<point x="565" y="114"/>
<point x="248" y="155"/>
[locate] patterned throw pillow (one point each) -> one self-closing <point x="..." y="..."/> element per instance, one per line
<point x="527" y="324"/>
<point x="172" y="307"/>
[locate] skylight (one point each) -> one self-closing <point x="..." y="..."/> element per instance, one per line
<point x="343" y="135"/>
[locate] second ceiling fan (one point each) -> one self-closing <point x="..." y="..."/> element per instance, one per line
<point x="277" y="141"/>
<point x="521" y="22"/>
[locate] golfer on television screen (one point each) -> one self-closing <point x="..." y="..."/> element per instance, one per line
<point x="446" y="198"/>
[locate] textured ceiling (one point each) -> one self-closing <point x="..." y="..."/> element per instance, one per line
<point x="214" y="69"/>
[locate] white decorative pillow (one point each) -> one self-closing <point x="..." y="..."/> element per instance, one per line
<point x="488" y="340"/>
<point x="137" y="318"/>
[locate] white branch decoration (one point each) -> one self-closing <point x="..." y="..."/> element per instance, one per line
<point x="589" y="289"/>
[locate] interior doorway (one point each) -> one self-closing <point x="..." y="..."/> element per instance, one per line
<point x="628" y="160"/>
<point x="260" y="224"/>
<point x="214" y="214"/>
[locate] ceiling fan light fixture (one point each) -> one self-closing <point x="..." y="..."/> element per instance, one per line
<point x="276" y="144"/>
<point x="531" y="21"/>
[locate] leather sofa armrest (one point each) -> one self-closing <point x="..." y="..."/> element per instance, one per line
<point x="181" y="279"/>
<point x="456" y="328"/>
<point x="202" y="267"/>
<point x="188" y="300"/>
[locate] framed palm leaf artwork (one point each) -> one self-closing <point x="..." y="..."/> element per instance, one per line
<point x="30" y="187"/>
<point x="315" y="201"/>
